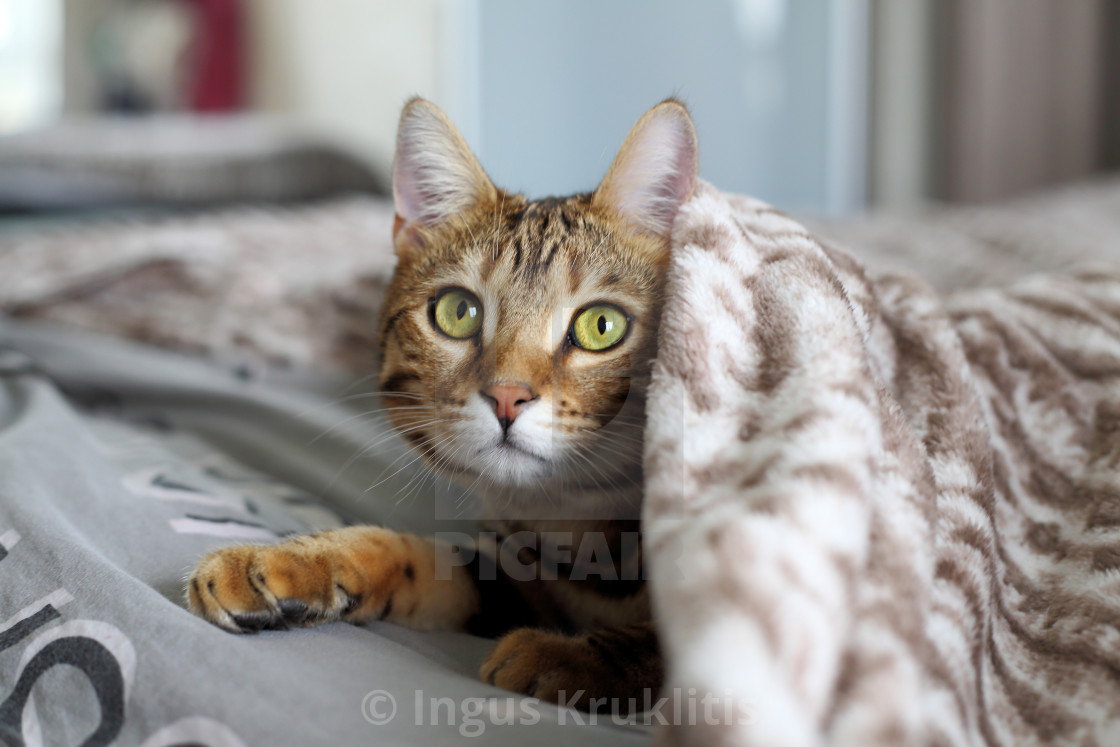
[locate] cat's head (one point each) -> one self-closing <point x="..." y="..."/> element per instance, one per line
<point x="517" y="336"/>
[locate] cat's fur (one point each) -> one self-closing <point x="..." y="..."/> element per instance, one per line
<point x="569" y="459"/>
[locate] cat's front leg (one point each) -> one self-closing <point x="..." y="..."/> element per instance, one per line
<point x="355" y="574"/>
<point x="611" y="668"/>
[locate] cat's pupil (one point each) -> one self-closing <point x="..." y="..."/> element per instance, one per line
<point x="602" y="324"/>
<point x="461" y="309"/>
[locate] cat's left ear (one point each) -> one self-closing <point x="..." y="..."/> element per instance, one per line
<point x="655" y="171"/>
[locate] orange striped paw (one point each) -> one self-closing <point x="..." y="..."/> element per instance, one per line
<point x="248" y="588"/>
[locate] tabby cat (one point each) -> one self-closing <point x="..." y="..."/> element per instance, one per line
<point x="516" y="344"/>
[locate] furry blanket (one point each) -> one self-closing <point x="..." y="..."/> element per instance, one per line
<point x="874" y="516"/>
<point x="299" y="285"/>
<point x="292" y="286"/>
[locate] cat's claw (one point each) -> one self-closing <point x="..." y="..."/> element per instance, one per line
<point x="295" y="611"/>
<point x="257" y="621"/>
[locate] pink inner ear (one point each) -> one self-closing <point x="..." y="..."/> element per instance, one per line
<point x="682" y="181"/>
<point x="655" y="172"/>
<point x="408" y="195"/>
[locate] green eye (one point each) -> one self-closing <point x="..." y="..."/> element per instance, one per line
<point x="599" y="327"/>
<point x="457" y="313"/>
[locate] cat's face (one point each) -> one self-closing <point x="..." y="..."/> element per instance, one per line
<point x="516" y="337"/>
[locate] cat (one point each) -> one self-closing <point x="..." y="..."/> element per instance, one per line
<point x="516" y="343"/>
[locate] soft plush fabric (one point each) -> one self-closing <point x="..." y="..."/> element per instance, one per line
<point x="299" y="285"/>
<point x="877" y="517"/>
<point x="294" y="286"/>
<point x="967" y="246"/>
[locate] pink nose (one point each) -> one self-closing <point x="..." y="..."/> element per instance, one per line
<point x="508" y="400"/>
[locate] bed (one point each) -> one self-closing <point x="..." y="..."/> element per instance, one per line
<point x="172" y="384"/>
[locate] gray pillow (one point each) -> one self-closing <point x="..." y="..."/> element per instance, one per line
<point x="172" y="160"/>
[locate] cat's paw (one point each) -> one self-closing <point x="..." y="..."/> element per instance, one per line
<point x="609" y="670"/>
<point x="249" y="588"/>
<point x="549" y="666"/>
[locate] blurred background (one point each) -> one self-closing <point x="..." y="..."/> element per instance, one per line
<point x="819" y="106"/>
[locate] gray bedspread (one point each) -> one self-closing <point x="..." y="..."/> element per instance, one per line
<point x="119" y="467"/>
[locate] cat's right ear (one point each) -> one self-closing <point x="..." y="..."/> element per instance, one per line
<point x="435" y="175"/>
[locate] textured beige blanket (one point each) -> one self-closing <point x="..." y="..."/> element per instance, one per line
<point x="301" y="285"/>
<point x="901" y="516"/>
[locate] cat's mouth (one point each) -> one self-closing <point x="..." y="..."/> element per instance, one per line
<point x="510" y="461"/>
<point x="507" y="444"/>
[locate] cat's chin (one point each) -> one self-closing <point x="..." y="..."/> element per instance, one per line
<point x="501" y="463"/>
<point x="512" y="465"/>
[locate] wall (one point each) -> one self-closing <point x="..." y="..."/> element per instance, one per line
<point x="345" y="66"/>
<point x="1022" y="94"/>
<point x="545" y="91"/>
<point x="776" y="89"/>
<point x="30" y="41"/>
<point x="902" y="127"/>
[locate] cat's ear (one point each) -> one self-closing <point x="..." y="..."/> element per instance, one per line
<point x="435" y="175"/>
<point x="654" y="172"/>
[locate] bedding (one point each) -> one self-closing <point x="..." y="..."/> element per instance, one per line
<point x="121" y="464"/>
<point x="297" y="285"/>
<point x="172" y="160"/>
<point x="900" y="510"/>
<point x="294" y="286"/>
